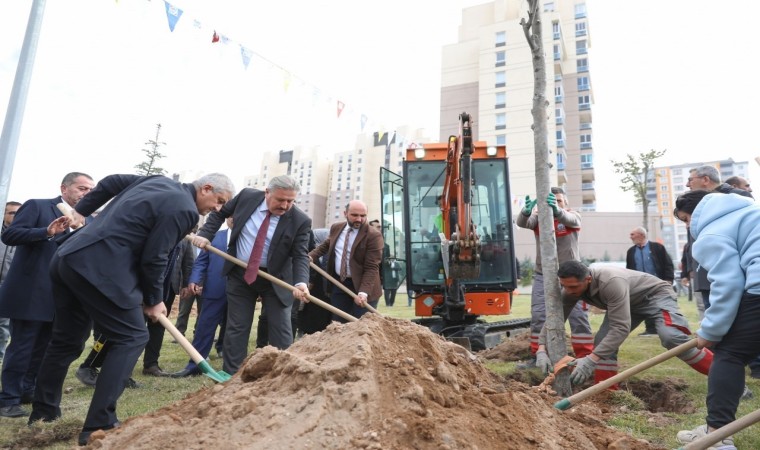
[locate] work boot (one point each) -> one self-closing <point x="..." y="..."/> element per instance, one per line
<point x="87" y="375"/>
<point x="688" y="436"/>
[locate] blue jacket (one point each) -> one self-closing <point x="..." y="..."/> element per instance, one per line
<point x="207" y="269"/>
<point x="727" y="244"/>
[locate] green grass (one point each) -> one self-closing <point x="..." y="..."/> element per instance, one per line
<point x="158" y="392"/>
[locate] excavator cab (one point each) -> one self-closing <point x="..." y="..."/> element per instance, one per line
<point x="454" y="208"/>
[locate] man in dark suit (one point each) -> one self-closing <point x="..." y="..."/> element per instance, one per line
<point x="25" y="296"/>
<point x="207" y="281"/>
<point x="354" y="251"/>
<point x="111" y="273"/>
<point x="281" y="252"/>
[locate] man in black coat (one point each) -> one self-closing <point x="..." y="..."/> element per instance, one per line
<point x="111" y="272"/>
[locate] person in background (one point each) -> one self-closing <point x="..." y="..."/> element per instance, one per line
<point x="652" y="258"/>
<point x="313" y="318"/>
<point x="354" y="251"/>
<point x="727" y="243"/>
<point x="26" y="297"/>
<point x="738" y="182"/>
<point x="207" y="281"/>
<point x="187" y="298"/>
<point x="272" y="234"/>
<point x="6" y="253"/>
<point x="628" y="297"/>
<point x="386" y="267"/>
<point x="567" y="227"/>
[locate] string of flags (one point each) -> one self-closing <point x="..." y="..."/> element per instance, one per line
<point x="174" y="14"/>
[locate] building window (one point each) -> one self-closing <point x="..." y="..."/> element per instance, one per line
<point x="587" y="161"/>
<point x="583" y="83"/>
<point x="558" y="94"/>
<point x="677" y="172"/>
<point x="580" y="29"/>
<point x="501" y="139"/>
<point x="584" y="102"/>
<point x="556" y="30"/>
<point x="501" y="38"/>
<point x="501" y="58"/>
<point x="580" y="47"/>
<point x="585" y="141"/>
<point x="501" y="121"/>
<point x="501" y="79"/>
<point x="582" y="65"/>
<point x="501" y="100"/>
<point x="556" y="51"/>
<point x="548" y="6"/>
<point x="580" y="10"/>
<point x="560" y="138"/>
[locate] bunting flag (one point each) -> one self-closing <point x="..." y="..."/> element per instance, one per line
<point x="341" y="105"/>
<point x="380" y="139"/>
<point x="246" y="54"/>
<point x="214" y="38"/>
<point x="363" y="121"/>
<point x="173" y="14"/>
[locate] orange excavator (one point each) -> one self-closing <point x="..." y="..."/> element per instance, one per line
<point x="449" y="221"/>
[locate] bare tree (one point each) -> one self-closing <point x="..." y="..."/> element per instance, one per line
<point x="636" y="177"/>
<point x="149" y="167"/>
<point x="555" y="320"/>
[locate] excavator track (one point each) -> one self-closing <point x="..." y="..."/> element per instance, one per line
<point x="477" y="335"/>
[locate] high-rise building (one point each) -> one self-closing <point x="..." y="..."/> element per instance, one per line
<point x="666" y="183"/>
<point x="489" y="74"/>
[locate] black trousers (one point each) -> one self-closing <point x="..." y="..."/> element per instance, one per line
<point x="77" y="304"/>
<point x="156" y="335"/>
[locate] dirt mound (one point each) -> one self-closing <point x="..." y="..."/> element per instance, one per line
<point x="377" y="383"/>
<point x="513" y="349"/>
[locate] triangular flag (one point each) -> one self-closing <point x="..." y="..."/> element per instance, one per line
<point x="173" y="14"/>
<point x="214" y="38"/>
<point x="341" y="105"/>
<point x="364" y="121"/>
<point x="246" y="54"/>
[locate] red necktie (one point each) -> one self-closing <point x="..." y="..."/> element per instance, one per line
<point x="252" y="271"/>
<point x="344" y="257"/>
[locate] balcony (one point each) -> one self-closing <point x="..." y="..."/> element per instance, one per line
<point x="585" y="145"/>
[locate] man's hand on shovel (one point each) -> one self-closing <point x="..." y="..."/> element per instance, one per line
<point x="154" y="311"/>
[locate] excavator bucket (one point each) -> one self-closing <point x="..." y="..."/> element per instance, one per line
<point x="464" y="270"/>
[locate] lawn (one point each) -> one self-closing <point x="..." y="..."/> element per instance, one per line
<point x="157" y="392"/>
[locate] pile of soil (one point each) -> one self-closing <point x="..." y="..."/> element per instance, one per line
<point x="377" y="383"/>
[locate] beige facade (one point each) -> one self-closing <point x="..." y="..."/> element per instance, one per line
<point x="489" y="74"/>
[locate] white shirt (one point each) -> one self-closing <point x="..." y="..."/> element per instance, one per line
<point x="250" y="231"/>
<point x="339" y="249"/>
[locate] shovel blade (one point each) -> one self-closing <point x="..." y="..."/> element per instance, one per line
<point x="218" y="376"/>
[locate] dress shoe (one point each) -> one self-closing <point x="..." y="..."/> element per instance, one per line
<point x="154" y="371"/>
<point x="37" y="417"/>
<point x="184" y="373"/>
<point x="132" y="384"/>
<point x="87" y="375"/>
<point x="13" y="411"/>
<point x="84" y="436"/>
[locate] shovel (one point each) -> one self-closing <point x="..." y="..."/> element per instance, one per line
<point x="340" y="285"/>
<point x="203" y="365"/>
<point x="277" y="281"/>
<point x="723" y="432"/>
<point x="566" y="403"/>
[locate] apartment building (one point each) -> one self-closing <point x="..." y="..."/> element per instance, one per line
<point x="329" y="180"/>
<point x="666" y="183"/>
<point x="489" y="74"/>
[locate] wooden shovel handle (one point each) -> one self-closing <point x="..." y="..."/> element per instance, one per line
<point x="340" y="285"/>
<point x="276" y="281"/>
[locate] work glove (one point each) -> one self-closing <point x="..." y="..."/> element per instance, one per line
<point x="551" y="200"/>
<point x="529" y="205"/>
<point x="583" y="369"/>
<point x="544" y="363"/>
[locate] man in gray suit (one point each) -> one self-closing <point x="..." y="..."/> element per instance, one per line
<point x="282" y="254"/>
<point x="110" y="272"/>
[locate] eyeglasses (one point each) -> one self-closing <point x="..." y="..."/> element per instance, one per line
<point x="694" y="178"/>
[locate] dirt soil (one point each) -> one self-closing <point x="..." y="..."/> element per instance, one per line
<point x="377" y="383"/>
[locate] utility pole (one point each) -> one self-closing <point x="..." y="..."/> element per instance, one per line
<point x="17" y="102"/>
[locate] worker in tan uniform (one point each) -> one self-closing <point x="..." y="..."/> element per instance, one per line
<point x="629" y="297"/>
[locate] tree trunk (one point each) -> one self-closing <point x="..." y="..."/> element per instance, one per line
<point x="556" y="345"/>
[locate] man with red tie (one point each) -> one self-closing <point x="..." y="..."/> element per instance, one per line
<point x="272" y="235"/>
<point x="354" y="251"/>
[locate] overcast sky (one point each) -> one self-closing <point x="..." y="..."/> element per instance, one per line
<point x="669" y="75"/>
